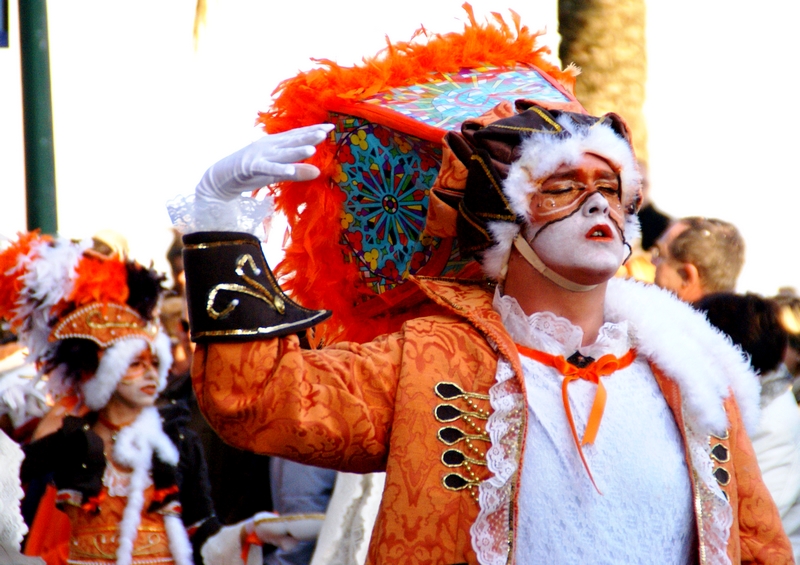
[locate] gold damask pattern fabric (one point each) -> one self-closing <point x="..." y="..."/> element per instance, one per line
<point x="760" y="532"/>
<point x="94" y="538"/>
<point x="373" y="407"/>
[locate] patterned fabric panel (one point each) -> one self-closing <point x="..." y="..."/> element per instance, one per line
<point x="451" y="98"/>
<point x="386" y="177"/>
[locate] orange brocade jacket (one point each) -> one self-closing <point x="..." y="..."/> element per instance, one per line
<point x="415" y="404"/>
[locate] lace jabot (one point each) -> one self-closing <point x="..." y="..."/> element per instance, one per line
<point x="555" y="499"/>
<point x="556" y="335"/>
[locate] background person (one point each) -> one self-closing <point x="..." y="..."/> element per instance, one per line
<point x="697" y="256"/>
<point x="789" y="305"/>
<point x="753" y="324"/>
<point x="129" y="481"/>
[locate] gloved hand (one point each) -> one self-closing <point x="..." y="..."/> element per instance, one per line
<point x="283" y="531"/>
<point x="271" y="159"/>
<point x="240" y="544"/>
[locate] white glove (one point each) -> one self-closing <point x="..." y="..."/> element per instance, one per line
<point x="271" y="159"/>
<point x="285" y="530"/>
<point x="226" y="546"/>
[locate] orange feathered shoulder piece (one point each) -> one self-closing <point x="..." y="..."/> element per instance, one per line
<point x="358" y="232"/>
<point x="13" y="262"/>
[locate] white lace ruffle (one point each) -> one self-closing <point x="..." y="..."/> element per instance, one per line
<point x="556" y="335"/>
<point x="117" y="481"/>
<point x="490" y="532"/>
<point x="715" y="511"/>
<point x="244" y="214"/>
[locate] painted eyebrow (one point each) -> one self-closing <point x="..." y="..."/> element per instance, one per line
<point x="570" y="175"/>
<point x="567" y="175"/>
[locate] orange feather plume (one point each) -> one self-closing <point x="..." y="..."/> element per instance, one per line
<point x="12" y="269"/>
<point x="99" y="280"/>
<point x="317" y="268"/>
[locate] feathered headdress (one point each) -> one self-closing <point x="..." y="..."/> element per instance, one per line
<point x="383" y="208"/>
<point x="66" y="301"/>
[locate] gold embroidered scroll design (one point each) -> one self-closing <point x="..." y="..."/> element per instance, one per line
<point x="251" y="288"/>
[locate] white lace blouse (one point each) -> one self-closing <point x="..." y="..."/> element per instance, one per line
<point x="645" y="512"/>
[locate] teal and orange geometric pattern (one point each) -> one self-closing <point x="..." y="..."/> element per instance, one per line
<point x="450" y="98"/>
<point x="386" y="176"/>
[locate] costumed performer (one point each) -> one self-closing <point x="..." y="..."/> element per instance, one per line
<point x="130" y="482"/>
<point x="543" y="413"/>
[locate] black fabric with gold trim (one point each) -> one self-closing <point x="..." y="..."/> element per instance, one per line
<point x="488" y="152"/>
<point x="720" y="455"/>
<point x="464" y="455"/>
<point x="232" y="293"/>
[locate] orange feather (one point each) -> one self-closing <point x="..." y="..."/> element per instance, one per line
<point x="317" y="268"/>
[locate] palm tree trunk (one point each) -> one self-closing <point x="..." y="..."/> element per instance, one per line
<point x="606" y="39"/>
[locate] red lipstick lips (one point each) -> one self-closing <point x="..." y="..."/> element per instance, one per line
<point x="600" y="231"/>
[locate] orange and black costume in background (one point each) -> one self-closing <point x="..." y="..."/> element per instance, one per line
<point x="378" y="406"/>
<point x="74" y="457"/>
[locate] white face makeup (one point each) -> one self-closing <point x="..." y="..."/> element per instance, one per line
<point x="585" y="246"/>
<point x="138" y="387"/>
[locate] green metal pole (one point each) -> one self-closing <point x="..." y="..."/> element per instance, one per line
<point x="40" y="176"/>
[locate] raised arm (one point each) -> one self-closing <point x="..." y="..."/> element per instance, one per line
<point x="254" y="383"/>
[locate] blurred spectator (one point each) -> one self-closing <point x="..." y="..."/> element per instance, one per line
<point x="653" y="221"/>
<point x="752" y="323"/>
<point x="298" y="489"/>
<point x="110" y="244"/>
<point x="175" y="259"/>
<point x="789" y="304"/>
<point x="697" y="256"/>
<point x="173" y="318"/>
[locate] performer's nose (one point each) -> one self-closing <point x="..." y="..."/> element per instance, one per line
<point x="596" y="204"/>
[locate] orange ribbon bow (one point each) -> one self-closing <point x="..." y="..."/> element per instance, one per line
<point x="602" y="367"/>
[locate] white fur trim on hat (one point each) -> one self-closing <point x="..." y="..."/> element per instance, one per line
<point x="495" y="259"/>
<point x="114" y="364"/>
<point x="541" y="154"/>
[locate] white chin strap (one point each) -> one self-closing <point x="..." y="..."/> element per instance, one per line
<point x="531" y="257"/>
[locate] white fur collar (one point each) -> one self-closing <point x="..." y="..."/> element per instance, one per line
<point x="134" y="447"/>
<point x="698" y="357"/>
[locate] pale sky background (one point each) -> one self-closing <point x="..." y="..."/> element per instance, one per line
<point x="139" y="114"/>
